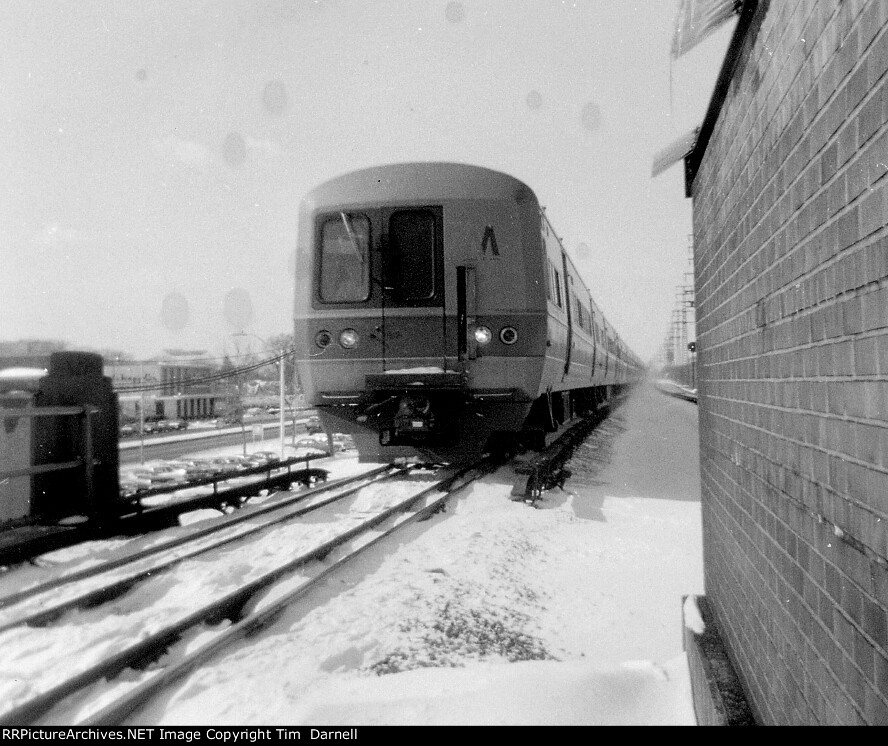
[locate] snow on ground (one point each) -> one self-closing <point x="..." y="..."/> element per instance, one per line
<point x="496" y="612"/>
<point x="492" y="612"/>
<point x="86" y="554"/>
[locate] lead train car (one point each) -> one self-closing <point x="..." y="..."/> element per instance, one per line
<point x="437" y="314"/>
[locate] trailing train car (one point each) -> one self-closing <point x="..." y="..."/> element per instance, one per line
<point x="437" y="314"/>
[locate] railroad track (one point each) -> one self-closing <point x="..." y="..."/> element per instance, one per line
<point x="45" y="601"/>
<point x="52" y="700"/>
<point x="677" y="391"/>
<point x="160" y="507"/>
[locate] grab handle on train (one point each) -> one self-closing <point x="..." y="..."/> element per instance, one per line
<point x="462" y="321"/>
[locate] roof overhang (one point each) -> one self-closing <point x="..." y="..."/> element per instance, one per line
<point x="697" y="19"/>
<point x="675" y="151"/>
<point x="752" y="13"/>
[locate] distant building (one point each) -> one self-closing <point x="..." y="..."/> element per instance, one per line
<point x="171" y="387"/>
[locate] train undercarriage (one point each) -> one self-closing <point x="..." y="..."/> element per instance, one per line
<point x="437" y="418"/>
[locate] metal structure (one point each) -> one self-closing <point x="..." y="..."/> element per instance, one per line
<point x="281" y="402"/>
<point x="678" y="356"/>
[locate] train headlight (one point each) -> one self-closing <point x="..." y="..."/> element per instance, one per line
<point x="483" y="335"/>
<point x="348" y="338"/>
<point x="323" y="339"/>
<point x="508" y="335"/>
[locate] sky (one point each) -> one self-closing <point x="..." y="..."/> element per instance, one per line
<point x="569" y="612"/>
<point x="154" y="153"/>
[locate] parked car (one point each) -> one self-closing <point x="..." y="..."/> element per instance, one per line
<point x="127" y="430"/>
<point x="199" y="463"/>
<point x="135" y="480"/>
<point x="227" y="464"/>
<point x="166" y="426"/>
<point x="167" y="473"/>
<point x="201" y="470"/>
<point x="311" y="444"/>
<point x="262" y="458"/>
<point x="126" y="489"/>
<point x="269" y="455"/>
<point x="313" y="425"/>
<point x="243" y="461"/>
<point x="344" y="441"/>
<point x="196" y="468"/>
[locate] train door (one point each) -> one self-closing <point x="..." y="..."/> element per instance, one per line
<point x="568" y="281"/>
<point x="412" y="323"/>
<point x="592" y="324"/>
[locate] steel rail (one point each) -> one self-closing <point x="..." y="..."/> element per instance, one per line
<point x="137" y="697"/>
<point x="110" y="589"/>
<point x="27" y="594"/>
<point x="230" y="604"/>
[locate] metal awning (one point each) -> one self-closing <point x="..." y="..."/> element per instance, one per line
<point x="697" y="19"/>
<point x="674" y="152"/>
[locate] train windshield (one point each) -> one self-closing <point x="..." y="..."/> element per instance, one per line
<point x="345" y="269"/>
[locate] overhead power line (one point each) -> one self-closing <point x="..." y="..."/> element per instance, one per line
<point x="221" y="375"/>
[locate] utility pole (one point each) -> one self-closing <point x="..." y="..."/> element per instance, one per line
<point x="141" y="412"/>
<point x="281" y="402"/>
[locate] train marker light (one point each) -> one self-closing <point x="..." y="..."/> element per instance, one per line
<point x="323" y="339"/>
<point x="508" y="335"/>
<point x="348" y="338"/>
<point x="483" y="335"/>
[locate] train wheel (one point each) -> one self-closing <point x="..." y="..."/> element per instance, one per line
<point x="502" y="445"/>
<point x="533" y="439"/>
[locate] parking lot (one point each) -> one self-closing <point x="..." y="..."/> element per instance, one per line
<point x="191" y="465"/>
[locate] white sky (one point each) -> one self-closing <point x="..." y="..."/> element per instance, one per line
<point x="588" y="586"/>
<point x="154" y="153"/>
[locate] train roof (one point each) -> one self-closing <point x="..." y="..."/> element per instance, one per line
<point x="418" y="181"/>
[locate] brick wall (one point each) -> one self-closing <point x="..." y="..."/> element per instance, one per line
<point x="791" y="262"/>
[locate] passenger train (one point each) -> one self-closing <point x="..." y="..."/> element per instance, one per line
<point x="438" y="315"/>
